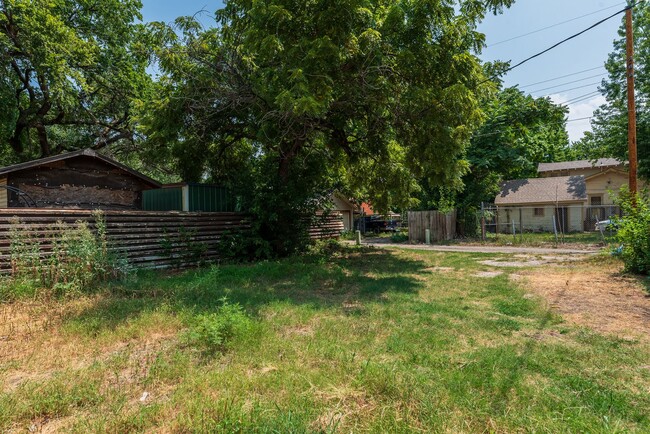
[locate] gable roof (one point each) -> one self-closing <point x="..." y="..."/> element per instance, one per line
<point x="81" y="153"/>
<point x="543" y="190"/>
<point x="579" y="164"/>
<point x="607" y="172"/>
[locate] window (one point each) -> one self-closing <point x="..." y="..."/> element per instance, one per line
<point x="596" y="200"/>
<point x="539" y="212"/>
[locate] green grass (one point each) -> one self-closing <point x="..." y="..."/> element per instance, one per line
<point x="548" y="239"/>
<point x="363" y="340"/>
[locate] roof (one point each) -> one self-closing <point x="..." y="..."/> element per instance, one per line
<point x="543" y="190"/>
<point x="81" y="153"/>
<point x="579" y="164"/>
<point x="366" y="209"/>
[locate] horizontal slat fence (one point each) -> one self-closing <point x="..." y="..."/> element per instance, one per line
<point x="328" y="226"/>
<point x="442" y="226"/>
<point x="148" y="239"/>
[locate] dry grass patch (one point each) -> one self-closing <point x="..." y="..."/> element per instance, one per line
<point x="595" y="295"/>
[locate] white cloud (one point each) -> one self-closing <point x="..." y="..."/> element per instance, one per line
<point x="577" y="111"/>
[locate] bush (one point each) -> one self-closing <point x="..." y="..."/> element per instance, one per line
<point x="399" y="237"/>
<point x="243" y="246"/>
<point x="213" y="333"/>
<point x="634" y="232"/>
<point x="78" y="258"/>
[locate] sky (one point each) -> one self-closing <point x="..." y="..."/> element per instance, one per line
<point x="584" y="55"/>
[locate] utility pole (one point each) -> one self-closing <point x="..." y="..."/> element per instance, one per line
<point x="631" y="104"/>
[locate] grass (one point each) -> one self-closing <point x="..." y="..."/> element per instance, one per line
<point x="361" y="340"/>
<point x="543" y="239"/>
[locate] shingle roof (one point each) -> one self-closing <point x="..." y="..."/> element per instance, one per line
<point x="543" y="190"/>
<point x="81" y="153"/>
<point x="580" y="164"/>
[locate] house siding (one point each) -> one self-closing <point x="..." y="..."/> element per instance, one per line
<point x="606" y="185"/>
<point x="536" y="223"/>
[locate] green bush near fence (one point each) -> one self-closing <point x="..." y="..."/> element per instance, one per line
<point x="634" y="232"/>
<point x="78" y="259"/>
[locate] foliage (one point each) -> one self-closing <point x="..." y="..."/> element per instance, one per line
<point x="633" y="231"/>
<point x="183" y="247"/>
<point x="608" y="137"/>
<point x="520" y="132"/>
<point x="288" y="101"/>
<point x="78" y="260"/>
<point x="214" y="332"/>
<point x="243" y="246"/>
<point x="70" y="73"/>
<point x="399" y="237"/>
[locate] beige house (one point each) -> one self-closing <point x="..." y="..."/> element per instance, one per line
<point x="570" y="196"/>
<point x="346" y="208"/>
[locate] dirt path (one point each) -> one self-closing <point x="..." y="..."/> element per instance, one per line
<point x="597" y="296"/>
<point x="379" y="242"/>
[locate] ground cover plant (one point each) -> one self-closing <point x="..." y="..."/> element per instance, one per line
<point x="352" y="340"/>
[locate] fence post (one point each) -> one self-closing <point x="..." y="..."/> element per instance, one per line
<point x="521" y="225"/>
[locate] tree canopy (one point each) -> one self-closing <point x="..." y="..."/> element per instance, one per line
<point x="364" y="96"/>
<point x="519" y="132"/>
<point x="608" y="137"/>
<point x="70" y="72"/>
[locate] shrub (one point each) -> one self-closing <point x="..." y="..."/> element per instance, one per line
<point x="634" y="232"/>
<point x="399" y="237"/>
<point x="77" y="259"/>
<point x="183" y="248"/>
<point x="243" y="246"/>
<point x="213" y="333"/>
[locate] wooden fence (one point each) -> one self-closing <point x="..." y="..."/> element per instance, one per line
<point x="148" y="239"/>
<point x="327" y="226"/>
<point x="441" y="225"/>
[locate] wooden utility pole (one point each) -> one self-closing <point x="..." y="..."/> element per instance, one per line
<point x="631" y="104"/>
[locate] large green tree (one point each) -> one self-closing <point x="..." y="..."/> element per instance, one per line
<point x="608" y="137"/>
<point x="519" y="132"/>
<point x="368" y="95"/>
<point x="69" y="73"/>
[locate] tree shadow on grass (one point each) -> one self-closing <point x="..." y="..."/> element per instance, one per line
<point x="316" y="281"/>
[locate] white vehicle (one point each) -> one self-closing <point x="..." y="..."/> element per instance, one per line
<point x="604" y="225"/>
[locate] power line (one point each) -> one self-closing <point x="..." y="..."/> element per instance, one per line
<point x="571" y="88"/>
<point x="568" y="82"/>
<point x="563" y="76"/>
<point x="586" y="95"/>
<point x="571" y="37"/>
<point x="579" y="119"/>
<point x="579" y="100"/>
<point x="493" y="133"/>
<point x="555" y="25"/>
<point x="561" y="42"/>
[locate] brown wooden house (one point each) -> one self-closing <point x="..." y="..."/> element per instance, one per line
<point x="83" y="179"/>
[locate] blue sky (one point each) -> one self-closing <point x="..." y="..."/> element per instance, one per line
<point x="588" y="52"/>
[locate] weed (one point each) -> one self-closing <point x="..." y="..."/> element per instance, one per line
<point x="59" y="259"/>
<point x="213" y="333"/>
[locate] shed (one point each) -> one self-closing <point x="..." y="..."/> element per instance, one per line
<point x="190" y="197"/>
<point x="82" y="179"/>
<point x="346" y="208"/>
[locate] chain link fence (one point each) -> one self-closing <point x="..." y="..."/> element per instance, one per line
<point x="557" y="219"/>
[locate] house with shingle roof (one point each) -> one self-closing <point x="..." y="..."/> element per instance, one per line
<point x="571" y="195"/>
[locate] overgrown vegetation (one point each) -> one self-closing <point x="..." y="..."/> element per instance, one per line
<point x="634" y="232"/>
<point x="351" y="340"/>
<point x="213" y="333"/>
<point x="60" y="259"/>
